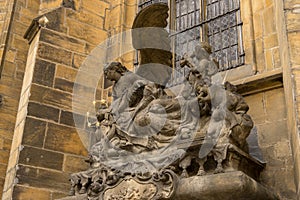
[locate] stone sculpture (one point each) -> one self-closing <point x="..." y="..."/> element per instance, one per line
<point x="147" y="139"/>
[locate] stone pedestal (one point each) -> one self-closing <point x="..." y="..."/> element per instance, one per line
<point x="223" y="186"/>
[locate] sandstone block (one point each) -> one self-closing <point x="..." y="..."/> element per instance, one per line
<point x="269" y="60"/>
<point x="293" y="21"/>
<point x="271" y="133"/>
<point x="86" y="17"/>
<point x="54" y="54"/>
<point x="34" y="132"/>
<point x="30" y="176"/>
<point x="66" y="73"/>
<point x="77" y="60"/>
<point x="276" y="58"/>
<point x="97" y="7"/>
<point x="271" y="41"/>
<point x="268" y="19"/>
<point x="64" y="139"/>
<point x="64" y="85"/>
<point x="51" y="97"/>
<point x="62" y="40"/>
<point x="268" y="3"/>
<point x="275" y="99"/>
<point x="44" y="73"/>
<point x="257" y="6"/>
<point x="85" y="32"/>
<point x="258" y="27"/>
<point x="41" y="158"/>
<point x="56" y="20"/>
<point x="21" y="192"/>
<point x="68" y="118"/>
<point x="294" y="48"/>
<point x="4" y="155"/>
<point x="74" y="164"/>
<point x="43" y="111"/>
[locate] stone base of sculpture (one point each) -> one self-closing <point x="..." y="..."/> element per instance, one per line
<point x="188" y="178"/>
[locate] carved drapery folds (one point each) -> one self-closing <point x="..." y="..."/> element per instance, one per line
<point x="151" y="136"/>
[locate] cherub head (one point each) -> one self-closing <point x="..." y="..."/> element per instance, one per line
<point x="114" y="70"/>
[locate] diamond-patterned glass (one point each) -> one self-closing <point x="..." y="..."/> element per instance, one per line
<point x="223" y="30"/>
<point x="217" y="20"/>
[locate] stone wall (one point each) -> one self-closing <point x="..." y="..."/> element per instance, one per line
<point x="39" y="130"/>
<point x="46" y="147"/>
<point x="269" y="98"/>
<point x="291" y="59"/>
<point x="13" y="54"/>
<point x="270" y="117"/>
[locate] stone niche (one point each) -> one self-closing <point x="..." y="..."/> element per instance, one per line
<point x="189" y="141"/>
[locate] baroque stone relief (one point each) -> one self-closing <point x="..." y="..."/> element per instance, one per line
<point x="152" y="136"/>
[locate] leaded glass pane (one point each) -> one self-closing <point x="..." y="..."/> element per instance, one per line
<point x="223" y="29"/>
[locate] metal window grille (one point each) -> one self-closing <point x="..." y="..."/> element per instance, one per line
<point x="187" y="32"/>
<point x="222" y="27"/>
<point x="215" y="21"/>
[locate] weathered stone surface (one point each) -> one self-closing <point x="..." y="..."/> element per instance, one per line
<point x="62" y="40"/>
<point x="54" y="54"/>
<point x="43" y="111"/>
<point x="67" y="73"/>
<point x="41" y="158"/>
<point x="44" y="73"/>
<point x="218" y="187"/>
<point x="293" y="19"/>
<point x="268" y="19"/>
<point x="77" y="60"/>
<point x="85" y="32"/>
<point x="4" y="155"/>
<point x="79" y="197"/>
<point x="58" y="195"/>
<point x="51" y="97"/>
<point x="56" y="20"/>
<point x="64" y="139"/>
<point x="30" y="176"/>
<point x="5" y="144"/>
<point x="74" y="164"/>
<point x="67" y="118"/>
<point x="97" y="7"/>
<point x="275" y="99"/>
<point x="267" y="131"/>
<point x="295" y="48"/>
<point x="64" y="85"/>
<point x="21" y="192"/>
<point x="86" y="17"/>
<point x="34" y="132"/>
<point x="271" y="41"/>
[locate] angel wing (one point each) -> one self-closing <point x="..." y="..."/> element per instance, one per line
<point x="151" y="39"/>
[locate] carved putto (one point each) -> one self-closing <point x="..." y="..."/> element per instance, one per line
<point x="150" y="135"/>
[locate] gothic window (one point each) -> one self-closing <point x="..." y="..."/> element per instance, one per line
<point x="216" y="21"/>
<point x="222" y="27"/>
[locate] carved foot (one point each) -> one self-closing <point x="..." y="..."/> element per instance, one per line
<point x="201" y="172"/>
<point x="72" y="192"/>
<point x="82" y="190"/>
<point x="184" y="174"/>
<point x="219" y="168"/>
